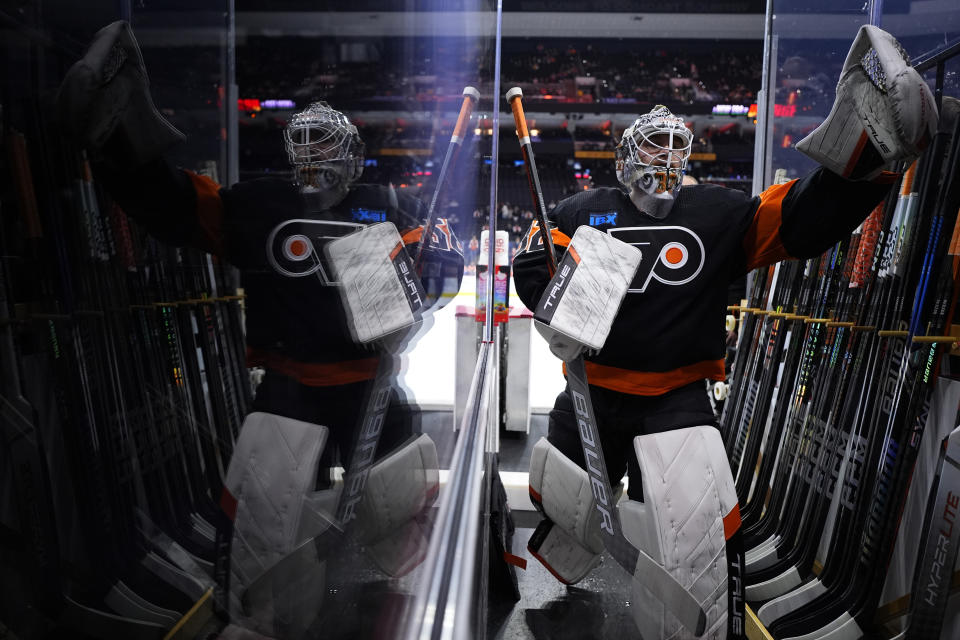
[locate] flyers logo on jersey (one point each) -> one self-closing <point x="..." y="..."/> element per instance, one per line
<point x="295" y="247"/>
<point x="671" y="255"/>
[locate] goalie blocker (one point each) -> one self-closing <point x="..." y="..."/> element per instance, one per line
<point x="382" y="295"/>
<point x="578" y="308"/>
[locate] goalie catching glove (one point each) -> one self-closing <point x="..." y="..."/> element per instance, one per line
<point x="106" y="97"/>
<point x="883" y="112"/>
<point x="580" y="303"/>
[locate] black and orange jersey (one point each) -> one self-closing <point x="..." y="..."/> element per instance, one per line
<point x="295" y="325"/>
<point x="669" y="331"/>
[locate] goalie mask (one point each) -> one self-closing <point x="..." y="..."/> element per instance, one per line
<point x="325" y="151"/>
<point x="651" y="158"/>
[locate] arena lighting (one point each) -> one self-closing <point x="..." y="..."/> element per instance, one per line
<point x="248" y="104"/>
<point x="779" y="110"/>
<point x="254" y="104"/>
<point x="784" y="110"/>
<point x="278" y="104"/>
<point x="730" y="110"/>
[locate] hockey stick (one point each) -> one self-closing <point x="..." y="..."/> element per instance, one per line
<point x="847" y="480"/>
<point x="789" y="476"/>
<point x="514" y="99"/>
<point x="470" y="98"/>
<point x="834" y="414"/>
<point x="841" y="565"/>
<point x="798" y="432"/>
<point x="83" y="583"/>
<point x="901" y="415"/>
<point x="937" y="555"/>
<point x="678" y="600"/>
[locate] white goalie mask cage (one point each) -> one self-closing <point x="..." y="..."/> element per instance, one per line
<point x="322" y="138"/>
<point x="653" y="152"/>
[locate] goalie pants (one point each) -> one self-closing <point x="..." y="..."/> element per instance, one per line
<point x="339" y="409"/>
<point x="620" y="418"/>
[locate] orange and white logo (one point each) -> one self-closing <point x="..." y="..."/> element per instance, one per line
<point x="671" y="255"/>
<point x="295" y="247"/>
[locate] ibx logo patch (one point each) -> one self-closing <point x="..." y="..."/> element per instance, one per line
<point x="671" y="255"/>
<point x="368" y="215"/>
<point x="598" y="219"/>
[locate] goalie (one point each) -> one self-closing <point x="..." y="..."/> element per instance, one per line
<point x="327" y="349"/>
<point x="647" y="365"/>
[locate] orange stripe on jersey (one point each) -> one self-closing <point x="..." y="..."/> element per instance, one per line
<point x="762" y="242"/>
<point x="560" y="239"/>
<point x="314" y="374"/>
<point x="573" y="253"/>
<point x="731" y="522"/>
<point x="412" y="236"/>
<point x="209" y="214"/>
<point x="651" y="383"/>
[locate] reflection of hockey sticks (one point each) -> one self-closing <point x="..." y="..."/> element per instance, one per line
<point x="40" y="477"/>
<point x="679" y="601"/>
<point x="470" y="98"/>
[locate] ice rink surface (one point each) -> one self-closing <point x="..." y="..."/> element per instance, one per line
<point x="428" y="364"/>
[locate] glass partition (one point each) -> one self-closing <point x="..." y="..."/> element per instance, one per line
<point x="808" y="45"/>
<point x="123" y="383"/>
<point x="227" y="387"/>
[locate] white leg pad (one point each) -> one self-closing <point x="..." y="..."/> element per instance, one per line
<point x="270" y="483"/>
<point x="689" y="501"/>
<point x="399" y="487"/>
<point x="569" y="543"/>
<point x="563" y="556"/>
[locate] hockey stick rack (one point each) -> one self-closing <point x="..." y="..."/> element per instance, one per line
<point x="842" y="451"/>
